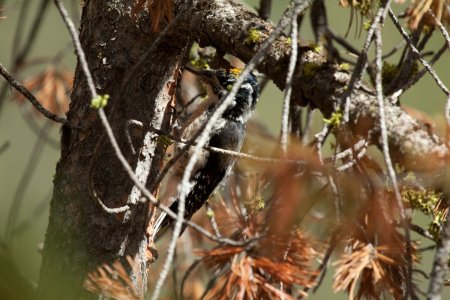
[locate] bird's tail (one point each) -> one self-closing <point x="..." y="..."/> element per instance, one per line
<point x="160" y="226"/>
<point x="164" y="223"/>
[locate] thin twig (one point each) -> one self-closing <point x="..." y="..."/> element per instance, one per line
<point x="321" y="270"/>
<point x="212" y="219"/>
<point x="441" y="28"/>
<point x="319" y="140"/>
<point x="174" y="276"/>
<point x="422" y="72"/>
<point x="28" y="95"/>
<point x="361" y="64"/>
<point x="186" y="275"/>
<point x="417" y="53"/>
<point x="387" y="157"/>
<point x="427" y="248"/>
<point x="319" y="24"/>
<point x="265" y="7"/>
<point x="447" y="111"/>
<point x="343" y="42"/>
<point x="447" y="39"/>
<point x="425" y="39"/>
<point x="336" y="196"/>
<point x="308" y="125"/>
<point x="296" y="114"/>
<point x="421" y="231"/>
<point x="284" y="139"/>
<point x="394" y="50"/>
<point x="360" y="147"/>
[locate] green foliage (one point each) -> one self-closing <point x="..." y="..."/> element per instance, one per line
<point x="435" y="227"/>
<point x="254" y="204"/>
<point x="164" y="141"/>
<point x="335" y="118"/>
<point x="366" y="25"/>
<point x="423" y="200"/>
<point x="254" y="36"/>
<point x="309" y="69"/>
<point x="344" y="67"/>
<point x="99" y="101"/>
<point x="200" y="63"/>
<point x="210" y="213"/>
<point x="428" y="202"/>
<point x="316" y="47"/>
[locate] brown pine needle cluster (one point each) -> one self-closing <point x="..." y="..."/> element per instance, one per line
<point x="158" y="10"/>
<point x="418" y="11"/>
<point x="51" y="88"/>
<point x="249" y="273"/>
<point x="112" y="282"/>
<point x="372" y="267"/>
<point x="374" y="264"/>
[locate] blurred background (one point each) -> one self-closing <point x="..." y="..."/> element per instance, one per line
<point x="27" y="165"/>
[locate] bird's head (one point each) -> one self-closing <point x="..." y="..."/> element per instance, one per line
<point x="222" y="82"/>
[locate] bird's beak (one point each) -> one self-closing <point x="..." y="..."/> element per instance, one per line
<point x="207" y="76"/>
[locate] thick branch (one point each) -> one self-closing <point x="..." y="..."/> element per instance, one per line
<point x="228" y="26"/>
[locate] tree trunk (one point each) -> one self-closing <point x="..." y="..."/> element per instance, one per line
<point x="80" y="234"/>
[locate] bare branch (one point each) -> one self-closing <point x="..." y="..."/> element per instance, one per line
<point x="361" y="64"/>
<point x="388" y="160"/>
<point x="265" y="6"/>
<point x="417" y="53"/>
<point x="28" y="95"/>
<point x="284" y="139"/>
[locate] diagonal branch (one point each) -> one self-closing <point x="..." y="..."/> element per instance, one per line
<point x="30" y="97"/>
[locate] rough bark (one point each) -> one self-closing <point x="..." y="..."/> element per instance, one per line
<point x="80" y="235"/>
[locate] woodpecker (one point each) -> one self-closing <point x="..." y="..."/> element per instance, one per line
<point x="228" y="133"/>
